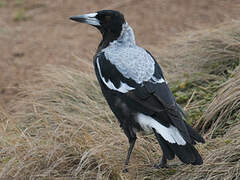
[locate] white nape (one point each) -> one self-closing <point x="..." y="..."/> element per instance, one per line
<point x="170" y="134"/>
<point x="124" y="88"/>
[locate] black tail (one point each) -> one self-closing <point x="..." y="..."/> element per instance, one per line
<point x="186" y="153"/>
<point x="194" y="134"/>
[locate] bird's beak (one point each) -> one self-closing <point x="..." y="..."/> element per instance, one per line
<point x="87" y="18"/>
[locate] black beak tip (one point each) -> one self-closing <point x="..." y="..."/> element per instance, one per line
<point x="72" y="18"/>
<point x="78" y="19"/>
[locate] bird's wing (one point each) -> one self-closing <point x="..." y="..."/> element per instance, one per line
<point x="145" y="87"/>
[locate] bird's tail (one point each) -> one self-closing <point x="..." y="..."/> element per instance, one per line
<point x="186" y="153"/>
<point x="194" y="134"/>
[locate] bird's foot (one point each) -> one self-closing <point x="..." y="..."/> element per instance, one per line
<point x="125" y="170"/>
<point x="161" y="165"/>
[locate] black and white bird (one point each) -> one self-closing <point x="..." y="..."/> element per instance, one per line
<point x="134" y="86"/>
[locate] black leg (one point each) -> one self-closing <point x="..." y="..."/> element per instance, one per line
<point x="162" y="163"/>
<point x="132" y="143"/>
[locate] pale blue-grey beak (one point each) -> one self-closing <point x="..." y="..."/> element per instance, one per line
<point x="87" y="18"/>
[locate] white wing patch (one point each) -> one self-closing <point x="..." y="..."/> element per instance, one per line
<point x="170" y="134"/>
<point x="161" y="80"/>
<point x="124" y="88"/>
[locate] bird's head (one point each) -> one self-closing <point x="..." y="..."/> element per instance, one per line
<point x="109" y="22"/>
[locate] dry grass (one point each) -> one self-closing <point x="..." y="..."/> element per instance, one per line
<point x="205" y="63"/>
<point x="62" y="126"/>
<point x="224" y="110"/>
<point x="221" y="162"/>
<point x="219" y="53"/>
<point x="215" y="56"/>
<point x="202" y="54"/>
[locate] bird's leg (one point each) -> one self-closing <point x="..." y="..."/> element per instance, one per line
<point x="131" y="143"/>
<point x="162" y="163"/>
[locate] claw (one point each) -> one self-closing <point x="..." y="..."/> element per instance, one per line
<point x="125" y="170"/>
<point x="160" y="165"/>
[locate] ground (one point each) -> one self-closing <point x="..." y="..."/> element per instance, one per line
<point x="36" y="33"/>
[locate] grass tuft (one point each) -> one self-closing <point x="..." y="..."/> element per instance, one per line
<point x="2" y="3"/>
<point x="21" y="15"/>
<point x="214" y="57"/>
<point x="221" y="162"/>
<point x="224" y="110"/>
<point x="65" y="128"/>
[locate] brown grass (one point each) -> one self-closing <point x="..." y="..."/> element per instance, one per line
<point x="221" y="162"/>
<point x="62" y="126"/>
<point x="205" y="53"/>
<point x="224" y="109"/>
<point x="215" y="56"/>
<point x="200" y="66"/>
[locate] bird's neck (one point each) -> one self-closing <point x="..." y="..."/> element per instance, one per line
<point x="126" y="38"/>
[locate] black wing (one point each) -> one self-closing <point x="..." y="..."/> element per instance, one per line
<point x="158" y="97"/>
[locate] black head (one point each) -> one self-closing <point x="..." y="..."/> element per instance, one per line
<point x="109" y="22"/>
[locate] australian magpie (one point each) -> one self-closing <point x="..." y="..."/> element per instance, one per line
<point x="134" y="86"/>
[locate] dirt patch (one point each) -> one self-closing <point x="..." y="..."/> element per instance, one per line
<point x="35" y="33"/>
